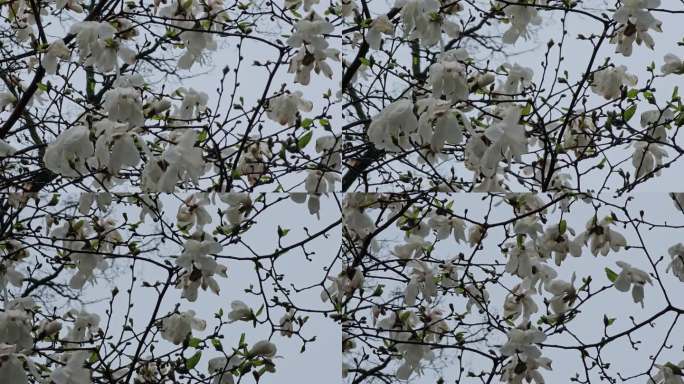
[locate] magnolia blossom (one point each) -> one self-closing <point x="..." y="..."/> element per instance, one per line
<point x="507" y="136"/>
<point x="448" y="75"/>
<point x="391" y="128"/>
<point x="11" y="366"/>
<point x="412" y="355"/>
<point x="521" y="368"/>
<point x="124" y="105"/>
<point x="601" y="237"/>
<point x="520" y="16"/>
<point x="520" y="301"/>
<point x="677" y="264"/>
<point x="178" y="326"/>
<point x="317" y="183"/>
<point x="239" y="206"/>
<point x="184" y="161"/>
<point x="668" y="373"/>
<point x="412" y="249"/>
<point x="673" y="64"/>
<point x="380" y="26"/>
<point x="86" y="326"/>
<point x="239" y="311"/>
<point x="115" y="147"/>
<point x="647" y="158"/>
<point x="98" y="46"/>
<point x="313" y="50"/>
<point x="220" y="366"/>
<point x="56" y="50"/>
<point x="287" y="323"/>
<point x="199" y="267"/>
<point x="343" y="285"/>
<point x="556" y="241"/>
<point x="74" y="372"/>
<point x="632" y="277"/>
<point x="518" y="78"/>
<point x="263" y="348"/>
<point x="6" y="98"/>
<point x="354" y="213"/>
<point x="75" y="237"/>
<point x="422" y="280"/>
<point x="477" y="296"/>
<point x="564" y="295"/>
<point x="193" y="212"/>
<point x="421" y="20"/>
<point x="523" y="341"/>
<point x="444" y="226"/>
<point x="439" y="123"/>
<point x="284" y="108"/>
<point x="635" y="21"/>
<point x="608" y="82"/>
<point x="68" y="154"/>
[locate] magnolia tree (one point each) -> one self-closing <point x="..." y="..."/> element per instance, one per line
<point x="198" y="191"/>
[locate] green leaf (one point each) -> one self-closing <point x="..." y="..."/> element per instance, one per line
<point x="304" y="140"/>
<point x="608" y="321"/>
<point x="629" y="113"/>
<point x="217" y="344"/>
<point x="194" y="360"/>
<point x="306" y="123"/>
<point x="282" y="232"/>
<point x="562" y="227"/>
<point x="194" y="342"/>
<point x="612" y="276"/>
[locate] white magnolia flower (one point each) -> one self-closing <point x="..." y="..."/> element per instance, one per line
<point x="439" y="124"/>
<point x="477" y="296"/>
<point x="344" y="285"/>
<point x="199" y="267"/>
<point x="412" y="355"/>
<point x="239" y="311"/>
<point x="11" y="366"/>
<point x="521" y="259"/>
<point x="677" y="264"/>
<point x="601" y="237"/>
<point x="635" y="21"/>
<point x="74" y="372"/>
<point x="507" y="136"/>
<point x="15" y="329"/>
<point x="521" y="369"/>
<point x="444" y="226"/>
<point x="124" y="105"/>
<point x="294" y="4"/>
<point x="184" y="162"/>
<point x="523" y="341"/>
<point x="287" y="323"/>
<point x="309" y="37"/>
<point x="86" y="326"/>
<point x="284" y="108"/>
<point x="579" y="136"/>
<point x="673" y="64"/>
<point x="632" y="277"/>
<point x="556" y="241"/>
<point x="520" y="301"/>
<point x="75" y="237"/>
<point x="194" y="102"/>
<point x="520" y="16"/>
<point x="115" y="147"/>
<point x="391" y="128"/>
<point x="56" y="50"/>
<point x="239" y="206"/>
<point x="193" y="212"/>
<point x="220" y="366"/>
<point x="421" y="20"/>
<point x="354" y="213"/>
<point x="448" y="76"/>
<point x="564" y="295"/>
<point x="518" y="79"/>
<point x="422" y="280"/>
<point x="413" y="248"/>
<point x="177" y="327"/>
<point x="68" y="154"/>
<point x="647" y="158"/>
<point x="6" y="98"/>
<point x="608" y="82"/>
<point x="263" y="348"/>
<point x="380" y="26"/>
<point x="98" y="46"/>
<point x="668" y="373"/>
